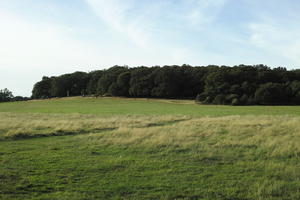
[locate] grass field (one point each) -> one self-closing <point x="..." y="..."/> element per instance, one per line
<point x="120" y="106"/>
<point x="112" y="148"/>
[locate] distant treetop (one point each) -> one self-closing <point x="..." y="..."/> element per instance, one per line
<point x="238" y="85"/>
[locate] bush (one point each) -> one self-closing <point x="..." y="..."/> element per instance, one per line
<point x="235" y="102"/>
<point x="201" y="97"/>
<point x="208" y="100"/>
<point x="271" y="94"/>
<point x="230" y="97"/>
<point x="219" y="99"/>
<point x="5" y="95"/>
<point x="244" y="99"/>
<point x="296" y="99"/>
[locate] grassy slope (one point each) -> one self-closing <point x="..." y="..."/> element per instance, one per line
<point x="147" y="156"/>
<point x="112" y="106"/>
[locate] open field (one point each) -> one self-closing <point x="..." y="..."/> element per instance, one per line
<point x="125" y="106"/>
<point x="109" y="148"/>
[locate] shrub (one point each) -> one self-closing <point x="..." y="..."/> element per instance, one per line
<point x="271" y="94"/>
<point x="230" y="97"/>
<point x="219" y="99"/>
<point x="201" y="97"/>
<point x="235" y="102"/>
<point x="5" y="95"/>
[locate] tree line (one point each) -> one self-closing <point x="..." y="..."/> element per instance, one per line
<point x="238" y="85"/>
<point x="7" y="96"/>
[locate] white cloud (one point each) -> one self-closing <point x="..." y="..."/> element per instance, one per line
<point x="203" y="12"/>
<point x="116" y="13"/>
<point x="143" y="22"/>
<point x="146" y="25"/>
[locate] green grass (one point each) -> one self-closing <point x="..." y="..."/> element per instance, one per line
<point x="113" y="106"/>
<point x="147" y="149"/>
<point x="73" y="168"/>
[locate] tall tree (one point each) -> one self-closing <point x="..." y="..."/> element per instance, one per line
<point x="5" y="95"/>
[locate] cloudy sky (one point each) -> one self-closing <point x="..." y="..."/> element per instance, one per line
<point x="52" y="37"/>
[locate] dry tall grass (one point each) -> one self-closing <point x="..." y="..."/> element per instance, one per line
<point x="34" y="125"/>
<point x="279" y="134"/>
<point x="271" y="143"/>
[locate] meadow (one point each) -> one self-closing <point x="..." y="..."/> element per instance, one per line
<point x="114" y="148"/>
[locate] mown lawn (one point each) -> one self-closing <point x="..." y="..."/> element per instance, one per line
<point x="143" y="154"/>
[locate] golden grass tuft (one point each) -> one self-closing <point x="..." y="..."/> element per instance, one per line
<point x="275" y="136"/>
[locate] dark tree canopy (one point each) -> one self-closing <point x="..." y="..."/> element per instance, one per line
<point x="42" y="89"/>
<point x="5" y="95"/>
<point x="238" y="85"/>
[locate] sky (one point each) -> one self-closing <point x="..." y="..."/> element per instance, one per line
<point x="52" y="37"/>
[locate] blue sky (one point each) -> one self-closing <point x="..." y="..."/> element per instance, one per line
<point x="52" y="37"/>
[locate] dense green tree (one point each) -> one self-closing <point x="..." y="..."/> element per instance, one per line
<point x="60" y="87"/>
<point x="69" y="85"/>
<point x="20" y="98"/>
<point x="217" y="83"/>
<point x="123" y="84"/>
<point x="294" y="88"/>
<point x="79" y="81"/>
<point x="237" y="85"/>
<point x="5" y="95"/>
<point x="168" y="82"/>
<point x="42" y="89"/>
<point x="141" y="82"/>
<point x="219" y="99"/>
<point x="94" y="77"/>
<point x="271" y="94"/>
<point x="114" y="90"/>
<point x="104" y="83"/>
<point x="108" y="78"/>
